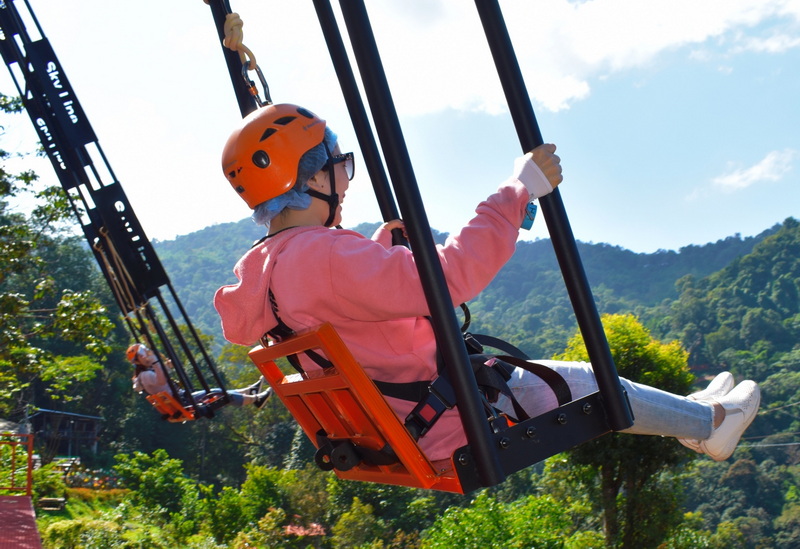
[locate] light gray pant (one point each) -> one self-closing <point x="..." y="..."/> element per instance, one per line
<point x="236" y="397"/>
<point x="655" y="412"/>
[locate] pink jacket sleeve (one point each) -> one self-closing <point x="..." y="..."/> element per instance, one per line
<point x="387" y="279"/>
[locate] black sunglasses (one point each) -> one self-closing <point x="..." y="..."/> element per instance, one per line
<point x="349" y="163"/>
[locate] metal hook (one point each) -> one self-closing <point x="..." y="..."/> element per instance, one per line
<point x="251" y="86"/>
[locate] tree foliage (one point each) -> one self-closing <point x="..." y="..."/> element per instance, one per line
<point x="53" y="327"/>
<point x="638" y="504"/>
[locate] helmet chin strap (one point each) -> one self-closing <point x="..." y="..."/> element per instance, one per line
<point x="333" y="198"/>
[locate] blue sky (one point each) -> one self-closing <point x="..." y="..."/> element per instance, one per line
<point x="676" y="120"/>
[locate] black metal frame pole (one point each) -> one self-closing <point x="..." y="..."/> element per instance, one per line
<point x="619" y="414"/>
<point x="247" y="103"/>
<point x="358" y="113"/>
<point x="445" y="326"/>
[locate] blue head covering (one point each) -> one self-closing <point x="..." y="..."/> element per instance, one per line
<point x="295" y="198"/>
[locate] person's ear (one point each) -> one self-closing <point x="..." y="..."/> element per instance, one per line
<point x="317" y="181"/>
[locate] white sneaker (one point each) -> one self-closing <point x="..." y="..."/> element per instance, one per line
<point x="741" y="406"/>
<point x="719" y="387"/>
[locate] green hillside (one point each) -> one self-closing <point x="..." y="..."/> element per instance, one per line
<point x="527" y="294"/>
<point x="733" y="304"/>
<point x="242" y="478"/>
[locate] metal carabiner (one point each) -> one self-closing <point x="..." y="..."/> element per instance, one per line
<point x="251" y="86"/>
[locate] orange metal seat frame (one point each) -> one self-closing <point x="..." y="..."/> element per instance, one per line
<point x="169" y="407"/>
<point x="344" y="403"/>
<point x="173" y="411"/>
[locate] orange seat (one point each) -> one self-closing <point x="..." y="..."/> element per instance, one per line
<point x="170" y="409"/>
<point x="173" y="411"/>
<point x="344" y="403"/>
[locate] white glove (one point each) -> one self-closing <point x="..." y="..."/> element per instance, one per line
<point x="529" y="174"/>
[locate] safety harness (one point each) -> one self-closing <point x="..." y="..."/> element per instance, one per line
<point x="492" y="373"/>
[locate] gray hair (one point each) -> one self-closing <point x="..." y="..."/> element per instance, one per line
<point x="295" y="198"/>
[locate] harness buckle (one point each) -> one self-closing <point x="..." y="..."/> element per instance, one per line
<point x="440" y="397"/>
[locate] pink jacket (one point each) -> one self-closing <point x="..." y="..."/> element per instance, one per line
<point x="370" y="291"/>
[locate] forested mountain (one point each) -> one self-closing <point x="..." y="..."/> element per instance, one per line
<point x="528" y="293"/>
<point x="734" y="304"/>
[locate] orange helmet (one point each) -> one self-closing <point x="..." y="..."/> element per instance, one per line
<point x="260" y="158"/>
<point x="135" y="349"/>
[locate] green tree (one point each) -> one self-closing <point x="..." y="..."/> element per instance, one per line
<point x="400" y="507"/>
<point x="53" y="328"/>
<point x="48" y="482"/>
<point x="306" y="494"/>
<point x="638" y="502"/>
<point x="226" y="518"/>
<point x="483" y="524"/>
<point x="262" y="489"/>
<point x="156" y="481"/>
<point x="539" y="522"/>
<point x="242" y="510"/>
<point x="267" y="533"/>
<point x="358" y="527"/>
<point x="533" y="521"/>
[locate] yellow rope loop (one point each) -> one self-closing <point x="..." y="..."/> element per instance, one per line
<point x="233" y="40"/>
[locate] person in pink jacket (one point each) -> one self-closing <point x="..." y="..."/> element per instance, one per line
<point x="287" y="166"/>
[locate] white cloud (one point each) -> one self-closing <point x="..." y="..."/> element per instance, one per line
<point x="561" y="45"/>
<point x="163" y="107"/>
<point x="436" y="56"/>
<point x="776" y="43"/>
<point x="771" y="168"/>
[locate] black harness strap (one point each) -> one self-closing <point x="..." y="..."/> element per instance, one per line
<point x="492" y="373"/>
<point x="478" y="341"/>
<point x="488" y="378"/>
<point x="552" y="378"/>
<point x="282" y="331"/>
<point x="433" y="398"/>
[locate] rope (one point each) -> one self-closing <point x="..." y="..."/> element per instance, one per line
<point x="121" y="282"/>
<point x="233" y="40"/>
<point x="778" y="408"/>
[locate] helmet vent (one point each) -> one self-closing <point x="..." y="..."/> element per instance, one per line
<point x="261" y="159"/>
<point x="240" y="189"/>
<point x="267" y="133"/>
<point x="283" y="120"/>
<point x="305" y="112"/>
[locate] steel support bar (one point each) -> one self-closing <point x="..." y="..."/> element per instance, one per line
<point x="358" y="113"/>
<point x="124" y="253"/>
<point x="519" y="103"/>
<point x="445" y="325"/>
